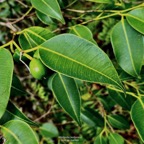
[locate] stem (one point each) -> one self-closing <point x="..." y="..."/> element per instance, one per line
<point x="129" y="93"/>
<point x="23" y="51"/>
<point x="32" y="49"/>
<point x="105" y="130"/>
<point x="28" y="56"/>
<point x="11" y="47"/>
<point x="129" y="9"/>
<point x="21" y="18"/>
<point x="14" y="43"/>
<point x="7" y="44"/>
<point x="115" y="12"/>
<point x="90" y="11"/>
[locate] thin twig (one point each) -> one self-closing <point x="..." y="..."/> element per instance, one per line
<point x="21" y="18"/>
<point x="45" y="114"/>
<point x="22" y="3"/>
<point x="9" y="25"/>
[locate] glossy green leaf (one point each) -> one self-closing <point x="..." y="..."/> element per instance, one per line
<point x="83" y="32"/>
<point x="6" y="73"/>
<point x="137" y="116"/>
<point x="49" y="130"/>
<point x="92" y="118"/>
<point x="12" y="113"/>
<point x="33" y="36"/>
<point x="100" y="140"/>
<point x="78" y="58"/>
<point x="118" y="121"/>
<point x="107" y="102"/>
<point x="119" y="98"/>
<point x="136" y="19"/>
<point x="128" y="47"/>
<point x="17" y="88"/>
<point x="18" y="132"/>
<point x="67" y="95"/>
<point x="48" y="7"/>
<point x="115" y="138"/>
<point x="44" y="18"/>
<point x="101" y="1"/>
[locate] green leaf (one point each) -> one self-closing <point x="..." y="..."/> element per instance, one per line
<point x="83" y="32"/>
<point x="66" y="92"/>
<point x="115" y="138"/>
<point x="107" y="102"/>
<point x="49" y="130"/>
<point x="101" y="1"/>
<point x="137" y="116"/>
<point x="128" y="47"/>
<point x="6" y="73"/>
<point x="33" y="36"/>
<point x="92" y="118"/>
<point x="44" y="18"/>
<point x="119" y="98"/>
<point x="136" y="19"/>
<point x="78" y="58"/>
<point x="17" y="88"/>
<point x="49" y="8"/>
<point x="12" y="113"/>
<point x="118" y="121"/>
<point x="18" y="132"/>
<point x="100" y="140"/>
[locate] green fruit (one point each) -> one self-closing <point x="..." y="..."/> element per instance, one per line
<point x="37" y="69"/>
<point x="16" y="56"/>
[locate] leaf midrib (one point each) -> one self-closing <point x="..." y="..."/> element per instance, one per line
<point x="133" y="16"/>
<point x="79" y="64"/>
<point x="68" y="96"/>
<point x="116" y="121"/>
<point x="39" y="36"/>
<point x="50" y="8"/>
<point x="13" y="134"/>
<point x="114" y="139"/>
<point x="129" y="49"/>
<point x="17" y="89"/>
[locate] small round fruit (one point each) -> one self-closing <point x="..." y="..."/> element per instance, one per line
<point x="37" y="69"/>
<point x="16" y="56"/>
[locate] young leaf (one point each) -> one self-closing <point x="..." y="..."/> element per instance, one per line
<point x="115" y="138"/>
<point x="83" y="32"/>
<point x="128" y="47"/>
<point x="49" y="130"/>
<point x="137" y="116"/>
<point x="100" y="140"/>
<point x="18" y="132"/>
<point x="120" y="98"/>
<point x="66" y="92"/>
<point x="92" y="118"/>
<point x="44" y="18"/>
<point x="49" y="7"/>
<point x="136" y="19"/>
<point x="17" y="88"/>
<point x="33" y="36"/>
<point x="6" y="73"/>
<point x="118" y="121"/>
<point x="78" y="58"/>
<point x="12" y="113"/>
